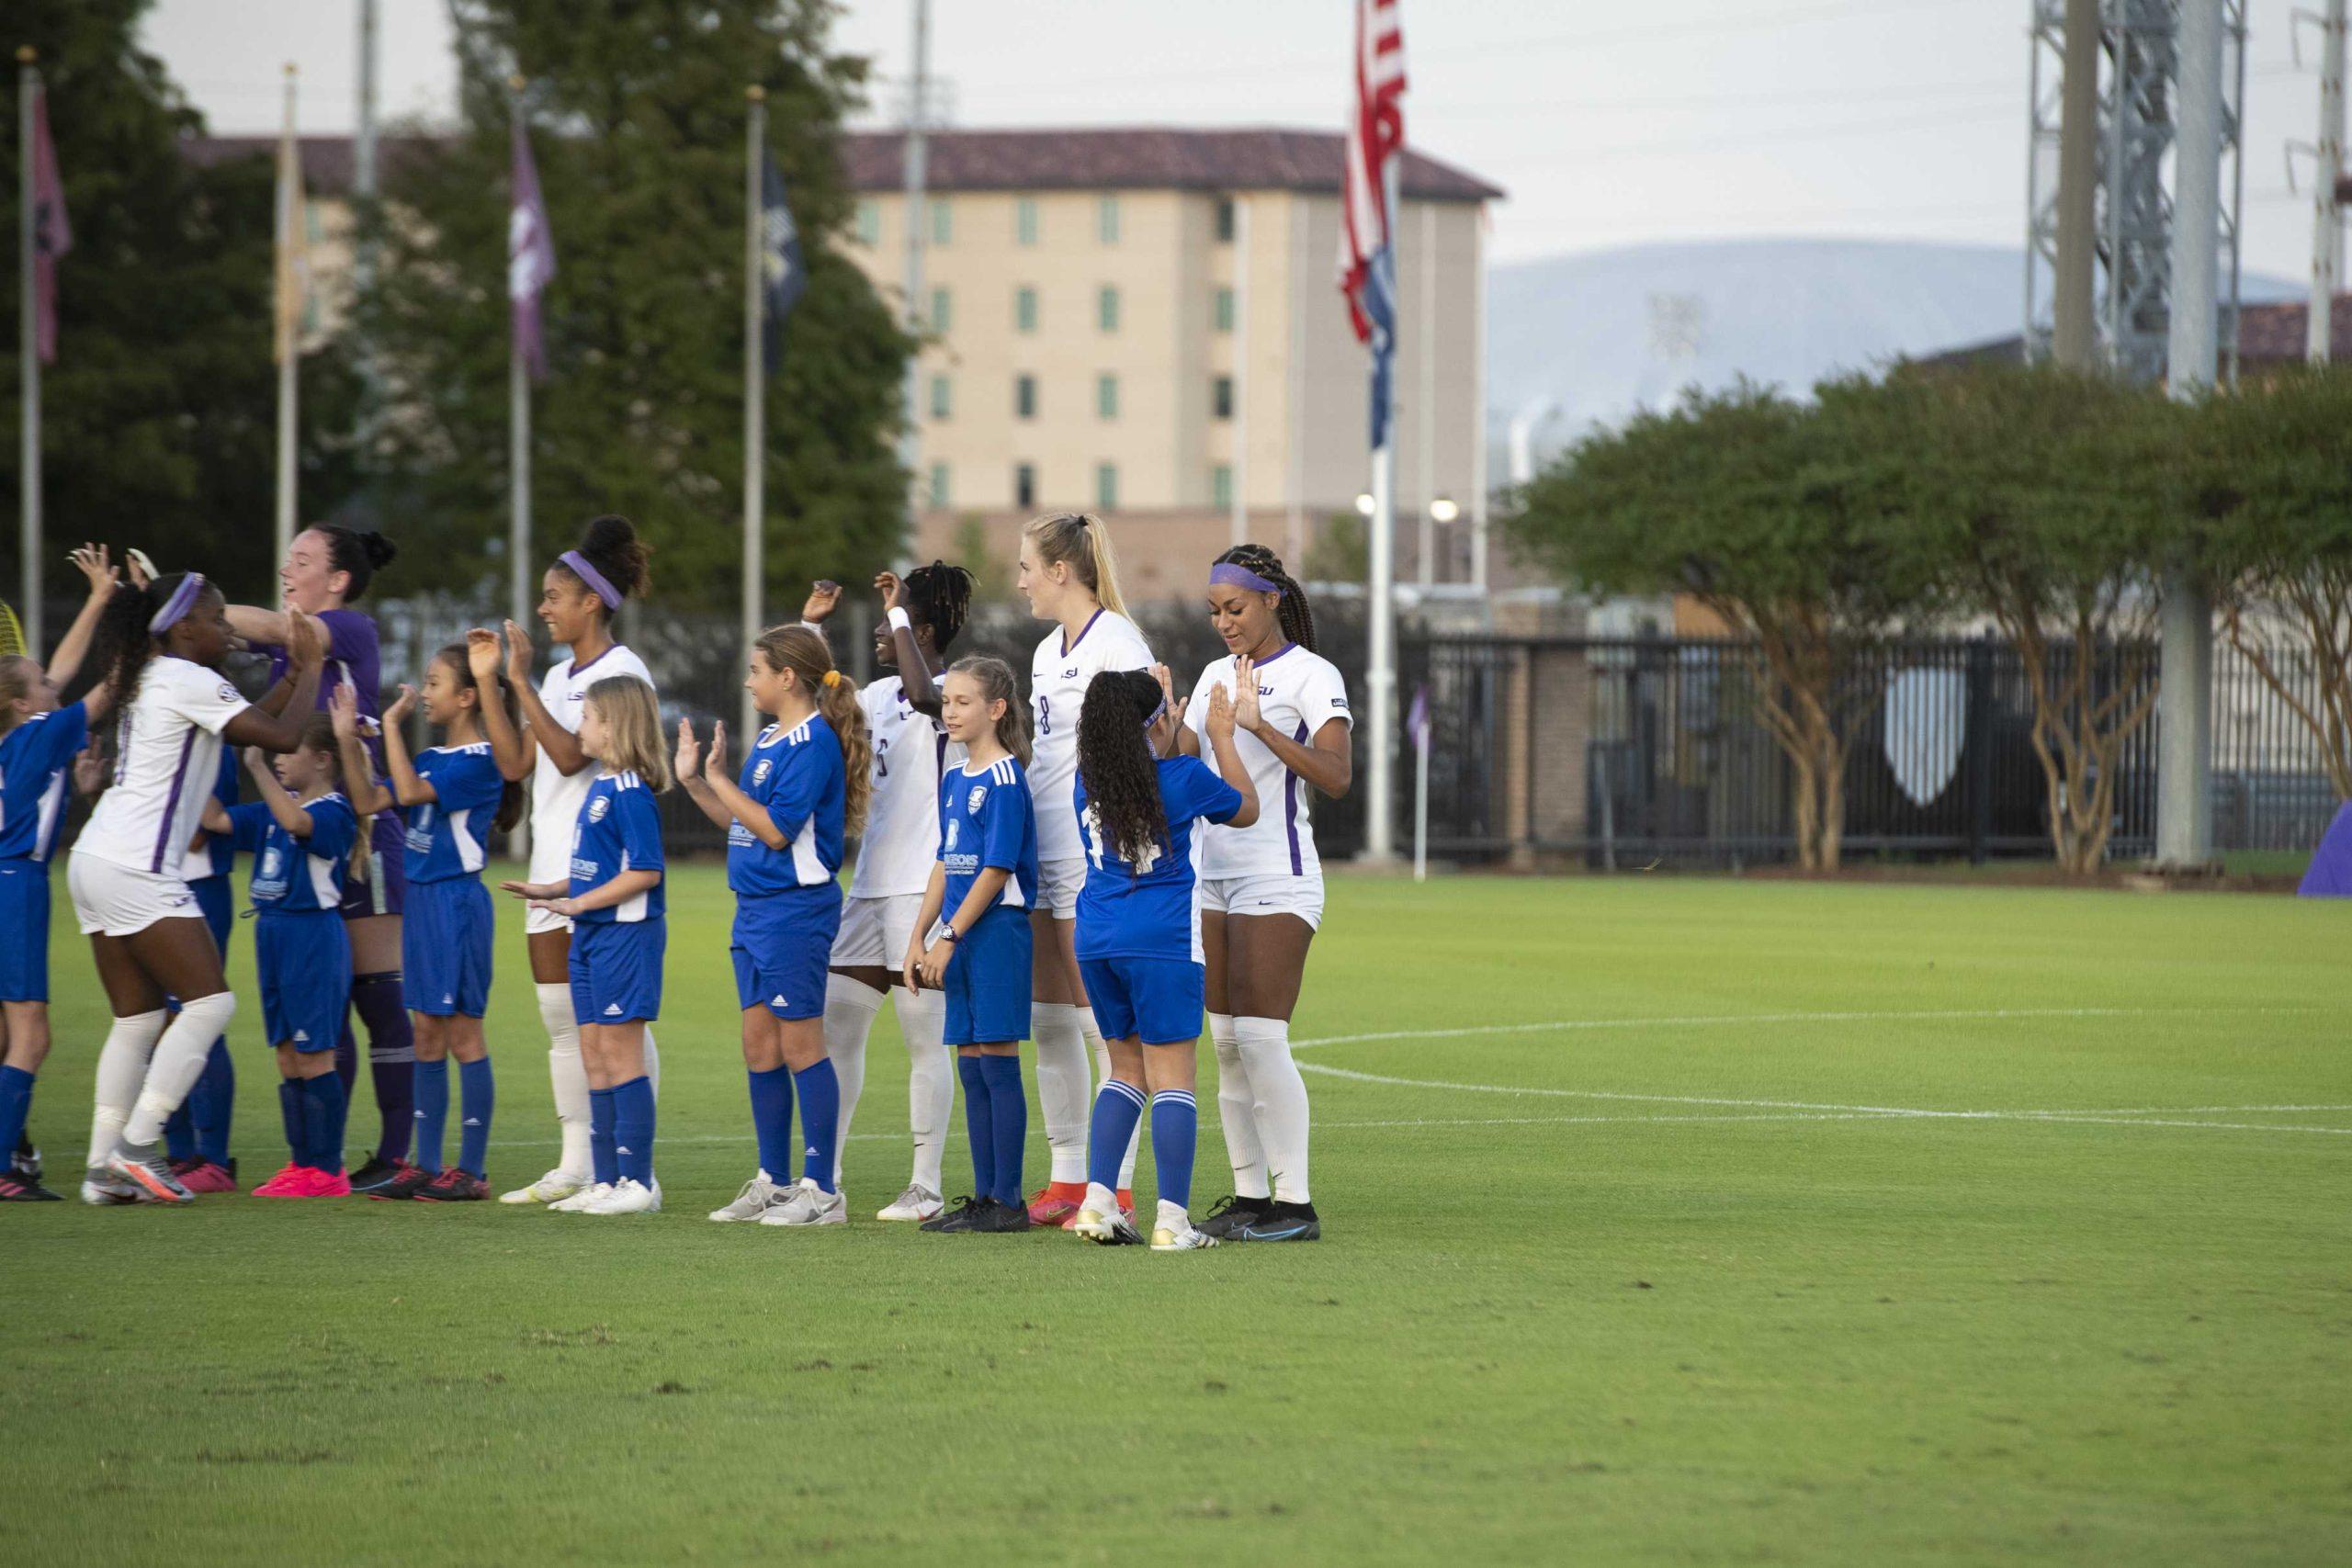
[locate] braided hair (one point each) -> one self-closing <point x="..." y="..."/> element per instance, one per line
<point x="1291" y="611"/>
<point x="122" y="646"/>
<point x="1116" y="763"/>
<point x="940" y="596"/>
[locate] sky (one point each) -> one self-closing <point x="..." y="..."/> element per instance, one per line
<point x="1606" y="125"/>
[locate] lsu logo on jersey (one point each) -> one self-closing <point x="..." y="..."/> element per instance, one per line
<point x="604" y="803"/>
<point x="972" y="801"/>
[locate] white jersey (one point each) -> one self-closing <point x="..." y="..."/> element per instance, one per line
<point x="557" y="797"/>
<point x="910" y="749"/>
<point x="1298" y="694"/>
<point x="1058" y="677"/>
<point x="167" y="759"/>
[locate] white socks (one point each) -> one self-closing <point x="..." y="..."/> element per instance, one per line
<point x="122" y="1067"/>
<point x="568" y="1077"/>
<point x="177" y="1063"/>
<point x="931" y="1078"/>
<point x="1237" y="1107"/>
<point x="1263" y="1045"/>
<point x="1064" y="1090"/>
<point x="849" y="1007"/>
<point x="1092" y="1034"/>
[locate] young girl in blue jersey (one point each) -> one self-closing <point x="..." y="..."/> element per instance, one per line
<point x="39" y="741"/>
<point x="300" y="834"/>
<point x="615" y="901"/>
<point x="803" y="786"/>
<point x="972" y="937"/>
<point x="1139" y="931"/>
<point x="454" y="795"/>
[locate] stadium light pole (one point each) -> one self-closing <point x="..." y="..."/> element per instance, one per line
<point x="916" y="170"/>
<point x="755" y="421"/>
<point x="2328" y="210"/>
<point x="28" y="354"/>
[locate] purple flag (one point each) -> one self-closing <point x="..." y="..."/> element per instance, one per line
<point x="1417" y="720"/>
<point x="530" y="255"/>
<point x="52" y="236"/>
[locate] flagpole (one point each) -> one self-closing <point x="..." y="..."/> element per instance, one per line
<point x="29" y="351"/>
<point x="518" y="445"/>
<point x="1380" y="674"/>
<point x="755" y="421"/>
<point x="289" y="330"/>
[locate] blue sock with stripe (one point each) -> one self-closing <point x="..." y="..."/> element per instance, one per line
<point x="212" y="1104"/>
<point x="324" y="1109"/>
<point x="290" y="1111"/>
<point x="1117" y="1111"/>
<point x="633" y="1129"/>
<point x="479" y="1090"/>
<point x="15" y="1104"/>
<point x="821" y="1119"/>
<point x="1175" y="1132"/>
<point x="772" y="1119"/>
<point x="431" y="1080"/>
<point x="604" y="1141"/>
<point x="979" y="1126"/>
<point x="1009" y="1121"/>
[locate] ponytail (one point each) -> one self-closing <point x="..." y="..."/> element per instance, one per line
<point x="1116" y="763"/>
<point x="1291" y="611"/>
<point x="121" y="647"/>
<point x="804" y="653"/>
<point x="1079" y="540"/>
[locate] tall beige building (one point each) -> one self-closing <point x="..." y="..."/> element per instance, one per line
<point x="1146" y="322"/>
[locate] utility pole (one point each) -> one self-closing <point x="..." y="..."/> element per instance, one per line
<point x="916" y="156"/>
<point x="2327" y="199"/>
<point x="363" y="259"/>
<point x="2073" y="332"/>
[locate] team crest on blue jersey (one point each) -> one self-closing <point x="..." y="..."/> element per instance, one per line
<point x="972" y="801"/>
<point x="760" y="772"/>
<point x="598" y="806"/>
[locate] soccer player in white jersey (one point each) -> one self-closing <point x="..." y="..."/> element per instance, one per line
<point x="921" y="618"/>
<point x="578" y="598"/>
<point x="1070" y="577"/>
<point x="159" y="648"/>
<point x="1261" y="886"/>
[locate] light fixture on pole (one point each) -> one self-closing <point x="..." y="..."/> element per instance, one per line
<point x="1363" y="504"/>
<point x="1444" y="509"/>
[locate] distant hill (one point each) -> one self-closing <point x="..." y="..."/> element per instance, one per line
<point x="1606" y="332"/>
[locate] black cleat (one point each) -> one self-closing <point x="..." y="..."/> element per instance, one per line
<point x="1001" y="1218"/>
<point x="958" y="1218"/>
<point x="16" y="1188"/>
<point x="1231" y="1213"/>
<point x="24" y="1160"/>
<point x="1281" y="1221"/>
<point x="376" y="1174"/>
<point x="407" y="1183"/>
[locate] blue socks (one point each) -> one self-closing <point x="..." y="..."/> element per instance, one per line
<point x="632" y="1121"/>
<point x="391" y="1047"/>
<point x="290" y="1111"/>
<point x="980" y="1124"/>
<point x="1009" y="1120"/>
<point x="199" y="1128"/>
<point x="604" y="1141"/>
<point x="432" y="1113"/>
<point x="324" y="1108"/>
<point x="479" y="1091"/>
<point x="821" y="1120"/>
<point x="772" y="1121"/>
<point x="1117" y="1111"/>
<point x="15" y="1104"/>
<point x="1175" y="1130"/>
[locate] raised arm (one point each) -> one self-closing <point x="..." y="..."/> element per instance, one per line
<point x="288" y="812"/>
<point x="272" y="731"/>
<point x="542" y="731"/>
<point x="409" y="787"/>
<point x="688" y="766"/>
<point x="1229" y="766"/>
<point x="914" y="666"/>
<point x="367" y="797"/>
<point x="506" y="747"/>
<point x="104" y="577"/>
<point x="738" y="806"/>
<point x="1326" y="760"/>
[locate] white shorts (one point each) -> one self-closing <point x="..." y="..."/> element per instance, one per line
<point x="114" y="900"/>
<point x="1057" y="884"/>
<point x="1280" y="894"/>
<point x="547" y="867"/>
<point x="876" y="931"/>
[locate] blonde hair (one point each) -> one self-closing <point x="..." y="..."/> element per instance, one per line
<point x="1079" y="540"/>
<point x="994" y="677"/>
<point x="804" y="653"/>
<point x="632" y="730"/>
<point x="17" y="674"/>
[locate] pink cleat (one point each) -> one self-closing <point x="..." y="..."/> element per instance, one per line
<point x="285" y="1183"/>
<point x="207" y="1177"/>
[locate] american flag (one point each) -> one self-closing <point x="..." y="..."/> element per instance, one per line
<point x="52" y="236"/>
<point x="531" y="255"/>
<point x="1375" y="136"/>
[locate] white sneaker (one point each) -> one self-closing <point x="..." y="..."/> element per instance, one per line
<point x="553" y="1188"/>
<point x="759" y="1195"/>
<point x="1172" y="1232"/>
<point x="917" y="1202"/>
<point x="578" y="1201"/>
<point x="808" y="1204"/>
<point x="625" y="1197"/>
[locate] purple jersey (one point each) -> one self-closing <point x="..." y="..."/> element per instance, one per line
<point x="354" y="660"/>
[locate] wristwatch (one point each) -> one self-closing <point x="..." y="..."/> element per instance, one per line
<point x="948" y="933"/>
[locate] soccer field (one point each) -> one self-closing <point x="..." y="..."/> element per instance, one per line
<point x="1669" y="1221"/>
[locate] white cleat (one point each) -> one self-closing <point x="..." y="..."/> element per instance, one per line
<point x="917" y="1202"/>
<point x="102" y="1188"/>
<point x="578" y="1201"/>
<point x="625" y="1197"/>
<point x="1112" y="1229"/>
<point x="808" y="1204"/>
<point x="759" y="1195"/>
<point x="1172" y="1232"/>
<point x="553" y="1188"/>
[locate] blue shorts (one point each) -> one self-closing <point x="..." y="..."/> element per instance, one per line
<point x="305" y="962"/>
<point x="988" y="981"/>
<point x="1159" y="1000"/>
<point x="384" y="889"/>
<point x="23" y="915"/>
<point x="784" y="942"/>
<point x="616" y="970"/>
<point x="445" y="947"/>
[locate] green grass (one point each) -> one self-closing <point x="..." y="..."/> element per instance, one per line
<point x="1676" y="1288"/>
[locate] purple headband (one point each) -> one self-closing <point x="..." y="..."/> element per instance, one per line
<point x="178" y="605"/>
<point x="592" y="577"/>
<point x="1227" y="574"/>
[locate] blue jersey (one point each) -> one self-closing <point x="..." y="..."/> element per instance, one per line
<point x="36" y="759"/>
<point x="217" y="854"/>
<point x="291" y="875"/>
<point x="619" y="829"/>
<point x="1146" y="911"/>
<point x="986" y="820"/>
<point x="798" y="775"/>
<point x="450" y="837"/>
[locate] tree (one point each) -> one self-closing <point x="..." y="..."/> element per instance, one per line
<point x="2271" y="497"/>
<point x="159" y="417"/>
<point x="1779" y="516"/>
<point x="2055" y="492"/>
<point x="637" y="117"/>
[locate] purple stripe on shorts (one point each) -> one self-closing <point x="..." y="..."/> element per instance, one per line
<point x="172" y="804"/>
<point x="1290" y="808"/>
